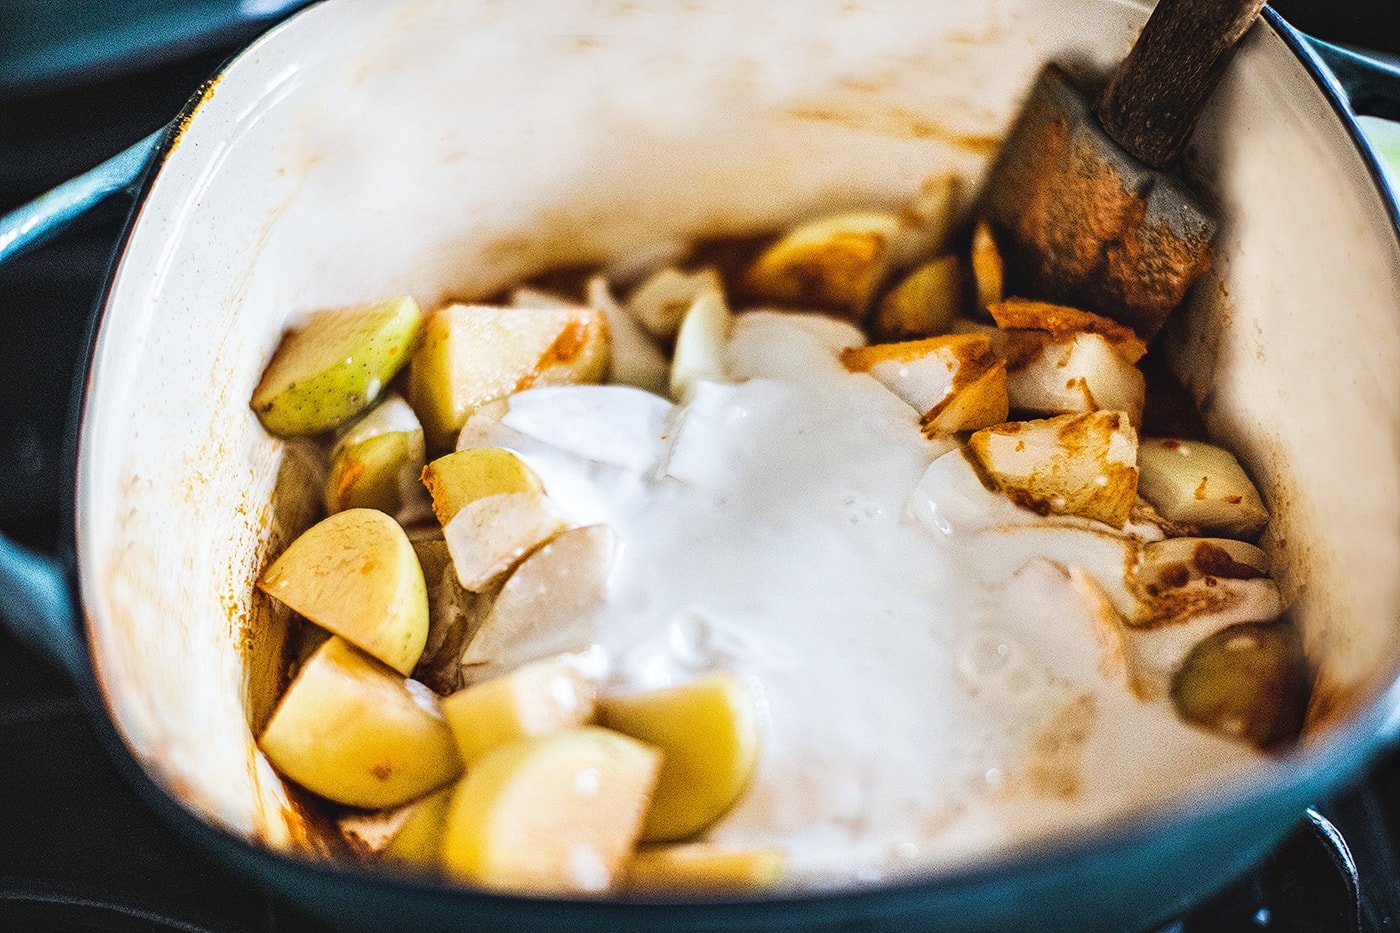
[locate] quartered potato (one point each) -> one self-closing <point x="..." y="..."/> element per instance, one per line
<point x="557" y="814"/>
<point x="1069" y="465"/>
<point x="707" y="731"/>
<point x="1199" y="484"/>
<point x="698" y="868"/>
<point x="660" y="303"/>
<point x="988" y="270"/>
<point x="1081" y="373"/>
<point x="530" y="701"/>
<point x="924" y="303"/>
<point x="350" y="729"/>
<point x="334" y="366"/>
<point x="356" y="574"/>
<point x="548" y="606"/>
<point x="700" y="344"/>
<point x="418" y="843"/>
<point x="1248" y="682"/>
<point x="474" y="354"/>
<point x="377" y="463"/>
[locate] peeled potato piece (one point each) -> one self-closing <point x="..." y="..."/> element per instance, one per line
<point x="352" y="731"/>
<point x="707" y="730"/>
<point x="924" y="303"/>
<point x="660" y="303"/>
<point x="334" y="366"/>
<point x="529" y="701"/>
<point x="556" y="814"/>
<point x="700" y="344"/>
<point x="699" y="868"/>
<point x="925" y="373"/>
<point x="547" y="606"/>
<point x="1080" y="373"/>
<point x="474" y="354"/>
<point x="988" y="271"/>
<point x="1248" y="682"/>
<point x="356" y="574"/>
<point x="1200" y="484"/>
<point x="418" y="843"/>
<point x="1069" y="465"/>
<point x="377" y="463"/>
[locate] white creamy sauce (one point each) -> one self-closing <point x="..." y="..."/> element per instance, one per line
<point x="928" y="675"/>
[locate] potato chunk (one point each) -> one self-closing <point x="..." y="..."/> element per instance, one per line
<point x="925" y="372"/>
<point x="418" y="842"/>
<point x="356" y="574"/>
<point x="557" y="814"/>
<point x="707" y="731"/>
<point x="334" y="367"/>
<point x="532" y="700"/>
<point x="474" y="354"/>
<point x="835" y="262"/>
<point x="701" y="868"/>
<point x="350" y="730"/>
<point x="988" y="270"/>
<point x="461" y="478"/>
<point x="1080" y="373"/>
<point x="1200" y="484"/>
<point x="636" y="360"/>
<point x="547" y="606"/>
<point x="924" y="303"/>
<point x="1248" y="682"/>
<point x="377" y="463"/>
<point x="493" y="509"/>
<point x="1062" y="322"/>
<point x="1201" y="580"/>
<point x="660" y="303"/>
<point x="1069" y="465"/>
<point x="701" y="344"/>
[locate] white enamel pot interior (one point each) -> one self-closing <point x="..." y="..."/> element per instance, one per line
<point x="445" y="148"/>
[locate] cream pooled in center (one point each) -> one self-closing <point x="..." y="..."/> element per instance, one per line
<point x="931" y="686"/>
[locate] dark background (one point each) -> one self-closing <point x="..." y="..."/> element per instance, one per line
<point x="80" y="80"/>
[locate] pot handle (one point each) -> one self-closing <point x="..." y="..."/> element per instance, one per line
<point x="1370" y="85"/>
<point x="37" y="605"/>
<point x="49" y="214"/>
<point x="36" y="592"/>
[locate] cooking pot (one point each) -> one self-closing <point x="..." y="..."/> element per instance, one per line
<point x="441" y="148"/>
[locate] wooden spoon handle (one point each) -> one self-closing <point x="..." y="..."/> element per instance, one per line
<point x="1156" y="95"/>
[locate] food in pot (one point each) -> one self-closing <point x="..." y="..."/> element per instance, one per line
<point x="694" y="595"/>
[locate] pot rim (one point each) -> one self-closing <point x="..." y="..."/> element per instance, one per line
<point x="1308" y="770"/>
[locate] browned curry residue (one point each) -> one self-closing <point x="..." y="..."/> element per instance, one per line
<point x="900" y="122"/>
<point x="1214" y="561"/>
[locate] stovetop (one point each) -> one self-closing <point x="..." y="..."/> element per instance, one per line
<point x="81" y="852"/>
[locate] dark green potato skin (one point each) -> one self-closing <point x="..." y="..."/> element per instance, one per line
<point x="1248" y="682"/>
